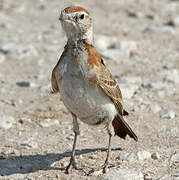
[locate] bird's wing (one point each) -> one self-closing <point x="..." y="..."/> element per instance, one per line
<point x="103" y="78"/>
<point x="56" y="79"/>
<point x="110" y="87"/>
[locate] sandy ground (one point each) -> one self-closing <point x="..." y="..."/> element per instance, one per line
<point x="31" y="41"/>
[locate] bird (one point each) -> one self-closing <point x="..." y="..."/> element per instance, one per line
<point x="87" y="88"/>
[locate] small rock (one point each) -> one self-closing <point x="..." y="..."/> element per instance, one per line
<point x="155" y="107"/>
<point x="24" y="119"/>
<point x="6" y="121"/>
<point x="143" y="155"/>
<point x="175" y="175"/>
<point x="122" y="174"/>
<point x="128" y="90"/>
<point x="2" y="57"/>
<point x="130" y="80"/>
<point x="136" y="156"/>
<point x="104" y="42"/>
<point x="175" y="158"/>
<point x="28" y="144"/>
<point x="124" y="45"/>
<point x="157" y="86"/>
<point x="15" y="177"/>
<point x="172" y="76"/>
<point x="155" y="156"/>
<point x="23" y="84"/>
<point x="130" y="157"/>
<point x="169" y="114"/>
<point x="115" y="54"/>
<point x="17" y="51"/>
<point x="160" y="29"/>
<point x="176" y="21"/>
<point x="49" y="122"/>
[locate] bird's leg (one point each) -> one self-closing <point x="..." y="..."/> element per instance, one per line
<point x="77" y="132"/>
<point x="106" y="163"/>
<point x="105" y="166"/>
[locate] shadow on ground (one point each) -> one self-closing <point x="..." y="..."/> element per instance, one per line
<point x="32" y="163"/>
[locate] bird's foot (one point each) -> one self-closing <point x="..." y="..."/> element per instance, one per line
<point x="102" y="168"/>
<point x="71" y="165"/>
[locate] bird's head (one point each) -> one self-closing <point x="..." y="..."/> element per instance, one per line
<point x="77" y="23"/>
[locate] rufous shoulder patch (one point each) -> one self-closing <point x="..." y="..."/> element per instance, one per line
<point x="94" y="58"/>
<point x="56" y="80"/>
<point x="73" y="9"/>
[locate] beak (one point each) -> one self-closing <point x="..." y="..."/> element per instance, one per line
<point x="63" y="16"/>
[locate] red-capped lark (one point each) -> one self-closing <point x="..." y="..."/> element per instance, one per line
<point x="87" y="88"/>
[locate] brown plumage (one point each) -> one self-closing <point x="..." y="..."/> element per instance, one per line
<point x="87" y="87"/>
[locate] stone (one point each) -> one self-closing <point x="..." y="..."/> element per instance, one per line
<point x="175" y="158"/>
<point x="49" y="122"/>
<point x="115" y="54"/>
<point x="130" y="80"/>
<point x="176" y="21"/>
<point x="157" y="86"/>
<point x="171" y="76"/>
<point x="165" y="113"/>
<point x="28" y="144"/>
<point x="2" y="57"/>
<point x="17" y="51"/>
<point x="24" y="119"/>
<point x="155" y="108"/>
<point x="129" y="85"/>
<point x="23" y="84"/>
<point x="175" y="175"/>
<point x="103" y="42"/>
<point x="123" y="174"/>
<point x="124" y="45"/>
<point x="161" y="29"/>
<point x="143" y="155"/>
<point x="128" y="90"/>
<point x="6" y="122"/>
<point x="140" y="155"/>
<point x="155" y="156"/>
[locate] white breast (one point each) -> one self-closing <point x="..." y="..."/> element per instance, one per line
<point x="89" y="103"/>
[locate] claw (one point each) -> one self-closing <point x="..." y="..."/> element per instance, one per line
<point x="71" y="165"/>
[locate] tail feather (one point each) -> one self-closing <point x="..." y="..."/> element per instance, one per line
<point x="122" y="129"/>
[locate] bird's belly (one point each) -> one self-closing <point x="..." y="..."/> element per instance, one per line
<point x="88" y="103"/>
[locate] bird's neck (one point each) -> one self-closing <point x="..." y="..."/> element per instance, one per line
<point x="86" y="37"/>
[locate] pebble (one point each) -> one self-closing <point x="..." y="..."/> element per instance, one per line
<point x="24" y="119"/>
<point x="28" y="144"/>
<point x="103" y="42"/>
<point x="2" y="57"/>
<point x="15" y="177"/>
<point x="175" y="175"/>
<point x="115" y="54"/>
<point x="160" y="29"/>
<point x="165" y="113"/>
<point x="49" y="122"/>
<point x="17" y="51"/>
<point x="171" y="76"/>
<point x="157" y="86"/>
<point x="176" y="21"/>
<point x="140" y="155"/>
<point x="6" y="122"/>
<point x="124" y="45"/>
<point x="155" y="156"/>
<point x="175" y="158"/>
<point x="155" y="108"/>
<point x="122" y="174"/>
<point x="128" y="90"/>
<point x="23" y="84"/>
<point x="130" y="80"/>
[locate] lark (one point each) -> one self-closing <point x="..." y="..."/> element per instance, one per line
<point x="87" y="88"/>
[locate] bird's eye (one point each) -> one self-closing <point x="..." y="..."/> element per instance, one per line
<point x="82" y="16"/>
